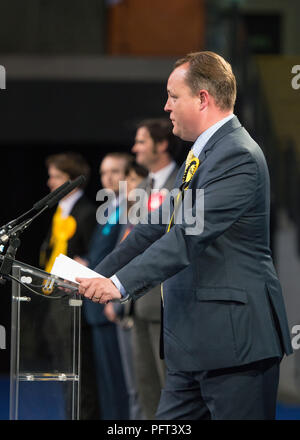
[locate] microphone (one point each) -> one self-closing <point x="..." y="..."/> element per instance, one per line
<point x="47" y="202"/>
<point x="36" y="207"/>
<point x="77" y="182"/>
<point x="10" y="233"/>
<point x="41" y="203"/>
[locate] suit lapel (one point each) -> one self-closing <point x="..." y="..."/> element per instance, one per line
<point x="76" y="208"/>
<point x="169" y="183"/>
<point x="227" y="128"/>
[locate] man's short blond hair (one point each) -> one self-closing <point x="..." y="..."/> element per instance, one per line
<point x="209" y="71"/>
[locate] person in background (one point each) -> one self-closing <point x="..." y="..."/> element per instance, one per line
<point x="71" y="229"/>
<point x="74" y="220"/>
<point x="122" y="315"/>
<point x="111" y="385"/>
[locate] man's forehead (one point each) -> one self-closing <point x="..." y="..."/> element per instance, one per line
<point x="112" y="163"/>
<point x="55" y="171"/>
<point x="142" y="131"/>
<point x="179" y="73"/>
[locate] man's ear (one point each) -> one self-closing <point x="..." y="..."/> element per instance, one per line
<point x="203" y="97"/>
<point x="162" y="146"/>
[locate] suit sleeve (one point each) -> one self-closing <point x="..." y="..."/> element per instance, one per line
<point x="139" y="239"/>
<point x="228" y="194"/>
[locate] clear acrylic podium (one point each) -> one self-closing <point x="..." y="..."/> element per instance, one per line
<point x="45" y="346"/>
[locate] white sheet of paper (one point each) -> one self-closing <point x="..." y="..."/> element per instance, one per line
<point x="68" y="269"/>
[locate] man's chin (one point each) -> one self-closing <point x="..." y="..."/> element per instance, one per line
<point x="183" y="136"/>
<point x="178" y="133"/>
<point x="139" y="160"/>
<point x="175" y="130"/>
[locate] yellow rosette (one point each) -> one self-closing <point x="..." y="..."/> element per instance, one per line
<point x="190" y="170"/>
<point x="63" y="229"/>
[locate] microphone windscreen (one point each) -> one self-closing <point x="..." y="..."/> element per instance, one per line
<point x="77" y="182"/>
<point x="43" y="202"/>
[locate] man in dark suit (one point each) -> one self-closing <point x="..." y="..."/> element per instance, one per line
<point x="224" y="320"/>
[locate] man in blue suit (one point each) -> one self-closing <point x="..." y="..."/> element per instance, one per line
<point x="224" y="322"/>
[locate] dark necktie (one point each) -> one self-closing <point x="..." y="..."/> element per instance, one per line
<point x="151" y="183"/>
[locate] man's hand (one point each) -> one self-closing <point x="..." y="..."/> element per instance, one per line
<point x="99" y="290"/>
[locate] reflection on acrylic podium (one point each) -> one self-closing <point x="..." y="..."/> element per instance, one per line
<point x="45" y="346"/>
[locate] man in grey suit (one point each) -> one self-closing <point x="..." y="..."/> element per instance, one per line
<point x="225" y="328"/>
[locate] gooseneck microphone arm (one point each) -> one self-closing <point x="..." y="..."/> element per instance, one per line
<point x="49" y="204"/>
<point x="72" y="185"/>
<point x="36" y="207"/>
<point x="43" y="202"/>
<point x="17" y="230"/>
<point x="12" y="234"/>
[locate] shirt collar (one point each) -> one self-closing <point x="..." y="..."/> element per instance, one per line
<point x="161" y="176"/>
<point x="202" y="140"/>
<point x="68" y="203"/>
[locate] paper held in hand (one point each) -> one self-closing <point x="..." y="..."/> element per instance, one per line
<point x="68" y="269"/>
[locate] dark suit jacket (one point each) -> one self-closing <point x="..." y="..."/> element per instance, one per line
<point x="223" y="303"/>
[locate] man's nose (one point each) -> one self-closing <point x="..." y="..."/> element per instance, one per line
<point x="167" y="106"/>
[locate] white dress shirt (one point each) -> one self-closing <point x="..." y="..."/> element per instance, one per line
<point x="67" y="204"/>
<point x="161" y="176"/>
